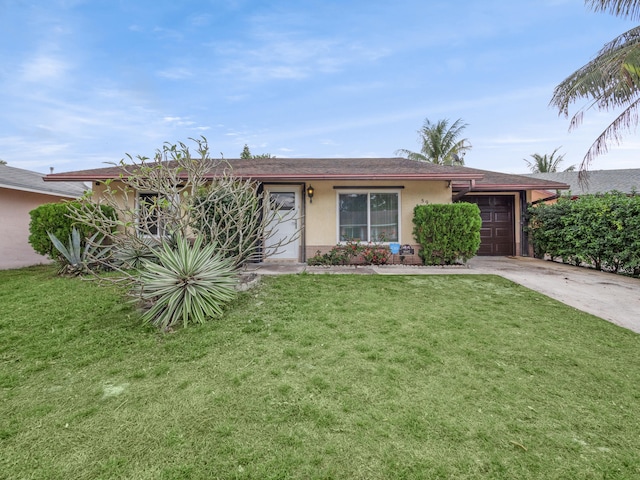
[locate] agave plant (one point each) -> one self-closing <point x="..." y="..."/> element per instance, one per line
<point x="76" y="258"/>
<point x="131" y="255"/>
<point x="189" y="283"/>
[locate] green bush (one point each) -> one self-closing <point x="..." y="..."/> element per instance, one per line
<point x="342" y="254"/>
<point x="54" y="218"/>
<point x="597" y="230"/>
<point x="447" y="233"/>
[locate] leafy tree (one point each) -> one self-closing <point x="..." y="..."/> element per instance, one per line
<point x="3" y="162"/>
<point x="441" y="143"/>
<point x="547" y="163"/>
<point x="183" y="202"/>
<point x="611" y="81"/>
<point x="172" y="215"/>
<point x="247" y="155"/>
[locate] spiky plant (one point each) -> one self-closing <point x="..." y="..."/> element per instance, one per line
<point x="189" y="284"/>
<point x="76" y="258"/>
<point x="131" y="255"/>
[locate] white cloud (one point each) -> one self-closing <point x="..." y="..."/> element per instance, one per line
<point x="43" y="68"/>
<point x="178" y="73"/>
<point x="179" y="121"/>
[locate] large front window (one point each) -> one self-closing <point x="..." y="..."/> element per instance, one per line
<point x="368" y="217"/>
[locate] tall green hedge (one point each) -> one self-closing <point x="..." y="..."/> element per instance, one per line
<point x="599" y="230"/>
<point x="447" y="233"/>
<point x="53" y="217"/>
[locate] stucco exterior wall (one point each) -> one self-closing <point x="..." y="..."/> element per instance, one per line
<point x="15" y="205"/>
<point x="321" y="226"/>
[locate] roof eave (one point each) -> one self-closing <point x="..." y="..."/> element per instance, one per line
<point x="60" y="177"/>
<point x="39" y="191"/>
<point x="512" y="187"/>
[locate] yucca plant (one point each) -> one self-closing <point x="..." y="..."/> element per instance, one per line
<point x="188" y="284"/>
<point x="76" y="258"/>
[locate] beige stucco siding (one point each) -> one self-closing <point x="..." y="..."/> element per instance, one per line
<point x="321" y="214"/>
<point x="15" y="205"/>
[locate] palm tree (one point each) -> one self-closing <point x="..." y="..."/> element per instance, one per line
<point x="608" y="82"/>
<point x="440" y="143"/>
<point x="547" y="163"/>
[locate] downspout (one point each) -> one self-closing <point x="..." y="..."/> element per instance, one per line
<point x="524" y="235"/>
<point x="303" y="223"/>
<point x="463" y="192"/>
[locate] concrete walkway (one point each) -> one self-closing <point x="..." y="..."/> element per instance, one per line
<point x="614" y="298"/>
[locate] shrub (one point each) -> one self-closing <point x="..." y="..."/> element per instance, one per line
<point x="190" y="283"/>
<point x="447" y="233"/>
<point x="54" y="218"/>
<point x="376" y="254"/>
<point x="341" y="254"/>
<point x="598" y="230"/>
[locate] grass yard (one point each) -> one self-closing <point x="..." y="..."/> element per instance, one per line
<point x="316" y="377"/>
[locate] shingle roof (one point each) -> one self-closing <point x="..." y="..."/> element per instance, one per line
<point x="498" y="181"/>
<point x="308" y="169"/>
<point x="304" y="169"/>
<point x="28" y="181"/>
<point x="597" y="181"/>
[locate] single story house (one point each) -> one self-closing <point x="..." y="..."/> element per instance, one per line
<point x="20" y="192"/>
<point x="372" y="199"/>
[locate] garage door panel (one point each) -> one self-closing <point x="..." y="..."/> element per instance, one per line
<point x="503" y="233"/>
<point x="502" y="217"/>
<point x="497" y="234"/>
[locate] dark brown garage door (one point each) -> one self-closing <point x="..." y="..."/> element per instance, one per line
<point x="497" y="235"/>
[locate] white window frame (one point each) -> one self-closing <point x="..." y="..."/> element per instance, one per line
<point x="368" y="192"/>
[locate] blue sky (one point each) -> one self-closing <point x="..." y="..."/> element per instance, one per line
<point x="86" y="82"/>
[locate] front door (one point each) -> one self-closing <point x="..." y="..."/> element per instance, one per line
<point x="283" y="239"/>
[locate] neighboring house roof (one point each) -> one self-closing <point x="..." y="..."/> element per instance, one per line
<point x="597" y="181"/>
<point x="308" y="169"/>
<point x="28" y="181"/>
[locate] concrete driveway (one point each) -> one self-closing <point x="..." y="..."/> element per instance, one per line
<point x="614" y="298"/>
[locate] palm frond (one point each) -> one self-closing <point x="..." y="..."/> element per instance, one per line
<point x="620" y="8"/>
<point x="613" y="133"/>
<point x="610" y="80"/>
<point x="440" y="143"/>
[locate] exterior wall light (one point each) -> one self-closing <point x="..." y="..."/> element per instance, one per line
<point x="310" y="192"/>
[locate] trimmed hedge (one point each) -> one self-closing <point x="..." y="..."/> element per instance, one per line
<point x="602" y="231"/>
<point x="53" y="217"/>
<point x="447" y="233"/>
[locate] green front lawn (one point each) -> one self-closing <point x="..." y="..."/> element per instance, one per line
<point x="316" y="376"/>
